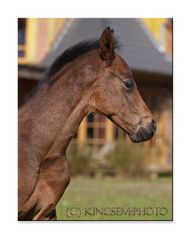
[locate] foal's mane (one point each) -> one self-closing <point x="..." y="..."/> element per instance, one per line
<point x="67" y="56"/>
<point x="70" y="54"/>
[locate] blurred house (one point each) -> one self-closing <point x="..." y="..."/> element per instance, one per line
<point x="146" y="44"/>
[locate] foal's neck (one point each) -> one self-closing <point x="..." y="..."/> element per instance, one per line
<point x="58" y="111"/>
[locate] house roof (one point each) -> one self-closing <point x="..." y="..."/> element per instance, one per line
<point x="137" y="46"/>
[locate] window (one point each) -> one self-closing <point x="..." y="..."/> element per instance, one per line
<point x="21" y="38"/>
<point x="96" y="130"/>
<point x="119" y="134"/>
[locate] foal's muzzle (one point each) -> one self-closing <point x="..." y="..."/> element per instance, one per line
<point x="144" y="133"/>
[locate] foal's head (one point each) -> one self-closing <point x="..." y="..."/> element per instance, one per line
<point x="114" y="93"/>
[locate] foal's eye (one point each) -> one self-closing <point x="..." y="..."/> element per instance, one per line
<point x="128" y="83"/>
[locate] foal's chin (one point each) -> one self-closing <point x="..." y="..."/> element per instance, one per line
<point x="136" y="139"/>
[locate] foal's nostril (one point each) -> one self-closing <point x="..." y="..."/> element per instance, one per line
<point x="153" y="125"/>
<point x="145" y="133"/>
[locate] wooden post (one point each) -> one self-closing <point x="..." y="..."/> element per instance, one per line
<point x="82" y="134"/>
<point x="168" y="43"/>
<point x="31" y="39"/>
<point x="109" y="131"/>
<point x="43" y="44"/>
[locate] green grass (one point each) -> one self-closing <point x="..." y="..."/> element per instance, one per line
<point x="116" y="199"/>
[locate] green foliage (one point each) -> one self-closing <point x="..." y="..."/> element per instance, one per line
<point x="124" y="160"/>
<point x="128" y="160"/>
<point x="80" y="161"/>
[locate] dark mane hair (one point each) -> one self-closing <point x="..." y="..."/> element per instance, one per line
<point x="70" y="54"/>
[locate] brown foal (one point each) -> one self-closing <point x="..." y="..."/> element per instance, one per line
<point x="89" y="77"/>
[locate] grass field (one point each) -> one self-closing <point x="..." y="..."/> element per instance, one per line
<point x="116" y="199"/>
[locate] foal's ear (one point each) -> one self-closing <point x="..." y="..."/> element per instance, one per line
<point x="107" y="46"/>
